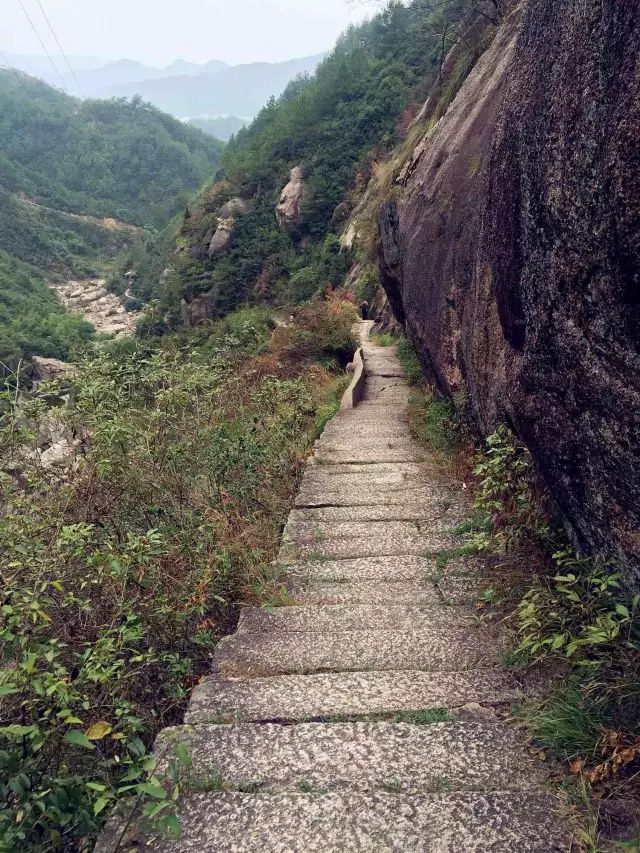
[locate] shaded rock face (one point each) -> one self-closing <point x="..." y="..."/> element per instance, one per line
<point x="199" y="308"/>
<point x="289" y="207"/>
<point x="514" y="252"/>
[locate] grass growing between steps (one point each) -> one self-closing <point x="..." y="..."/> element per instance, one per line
<point x="121" y="569"/>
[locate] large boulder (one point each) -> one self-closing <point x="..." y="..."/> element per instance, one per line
<point x="222" y="238"/>
<point x="290" y="204"/>
<point x="512" y="254"/>
<point x="233" y="208"/>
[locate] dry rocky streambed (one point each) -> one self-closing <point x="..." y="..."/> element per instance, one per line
<point x="309" y="722"/>
<point x="103" y="309"/>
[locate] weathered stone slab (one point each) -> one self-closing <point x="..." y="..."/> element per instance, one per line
<point x="418" y="469"/>
<point x="336" y="694"/>
<point x="351" y="617"/>
<point x="329" y="457"/>
<point x="309" y="532"/>
<point x="348" y="497"/>
<point x="405" y="568"/>
<point x="521" y="822"/>
<point x="365" y="546"/>
<point x="431" y="649"/>
<point x="359" y="756"/>
<point x="438" y="514"/>
<point x="372" y="592"/>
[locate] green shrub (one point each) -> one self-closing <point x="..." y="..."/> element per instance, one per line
<point x="119" y="574"/>
<point x="410" y="361"/>
<point x="509" y="494"/>
<point x="436" y="422"/>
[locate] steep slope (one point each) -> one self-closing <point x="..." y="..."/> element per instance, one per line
<point x="510" y="250"/>
<point x="330" y="128"/>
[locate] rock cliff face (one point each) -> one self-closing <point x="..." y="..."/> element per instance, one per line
<point x="512" y="254"/>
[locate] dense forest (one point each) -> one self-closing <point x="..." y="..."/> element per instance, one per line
<point x="118" y="158"/>
<point x="144" y="493"/>
<point x="335" y="125"/>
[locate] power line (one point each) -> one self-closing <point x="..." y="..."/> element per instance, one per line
<point x="42" y="44"/>
<point x="22" y="85"/>
<point x="64" y="55"/>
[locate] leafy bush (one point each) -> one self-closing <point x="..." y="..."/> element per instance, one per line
<point x="436" y="423"/>
<point x="509" y="494"/>
<point x="119" y="570"/>
<point x="585" y="617"/>
<point x="321" y="331"/>
<point x="410" y="361"/>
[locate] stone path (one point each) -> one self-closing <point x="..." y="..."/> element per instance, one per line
<point x="359" y="717"/>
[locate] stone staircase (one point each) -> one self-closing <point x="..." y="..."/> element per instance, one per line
<point x="360" y="717"/>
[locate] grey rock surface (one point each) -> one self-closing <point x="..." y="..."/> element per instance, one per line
<point x="500" y="822"/>
<point x="335" y="694"/>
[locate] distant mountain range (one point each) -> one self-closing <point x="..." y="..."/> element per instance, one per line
<point x="240" y="90"/>
<point x="223" y="127"/>
<point x="187" y="90"/>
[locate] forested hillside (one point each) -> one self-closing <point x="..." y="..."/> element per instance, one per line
<point x="121" y="159"/>
<point x="333" y="125"/>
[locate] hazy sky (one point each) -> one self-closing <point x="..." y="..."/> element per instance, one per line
<point x="159" y="31"/>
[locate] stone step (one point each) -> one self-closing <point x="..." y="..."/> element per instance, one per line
<point x="376" y="592"/>
<point x="368" y="546"/>
<point x="305" y="531"/>
<point x="344" y="694"/>
<point x="360" y="756"/>
<point x="440" y="514"/>
<point x="310" y="488"/>
<point x="379" y="822"/>
<point x="428" y="649"/>
<point x="351" y="456"/>
<point x="351" y="617"/>
<point x="417" y="469"/>
<point x="390" y="569"/>
<point x="349" y="497"/>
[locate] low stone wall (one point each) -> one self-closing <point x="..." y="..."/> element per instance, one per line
<point x="355" y="392"/>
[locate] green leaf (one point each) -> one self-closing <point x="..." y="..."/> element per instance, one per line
<point x="77" y="738"/>
<point x="94" y="786"/>
<point x="100" y="805"/>
<point x="154" y="791"/>
<point x="171" y="825"/>
<point x="621" y="610"/>
<point x="8" y="689"/>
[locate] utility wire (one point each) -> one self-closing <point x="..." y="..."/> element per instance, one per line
<point x="22" y="85"/>
<point x="42" y="44"/>
<point x="64" y="55"/>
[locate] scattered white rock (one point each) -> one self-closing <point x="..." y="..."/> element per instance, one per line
<point x="104" y="310"/>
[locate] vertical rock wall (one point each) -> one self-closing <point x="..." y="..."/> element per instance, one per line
<point x="513" y="255"/>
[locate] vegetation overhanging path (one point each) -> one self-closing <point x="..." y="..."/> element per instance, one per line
<point x="361" y="715"/>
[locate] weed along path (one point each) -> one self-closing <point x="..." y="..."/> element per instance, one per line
<point x="362" y="715"/>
